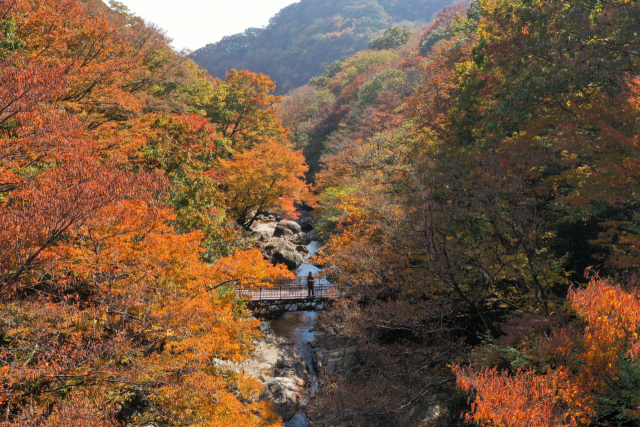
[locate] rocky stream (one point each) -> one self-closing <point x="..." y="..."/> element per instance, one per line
<point x="291" y="353"/>
<point x="283" y="361"/>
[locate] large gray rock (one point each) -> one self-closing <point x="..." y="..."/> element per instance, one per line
<point x="307" y="223"/>
<point x="305" y="238"/>
<point x="261" y="236"/>
<point x="289" y="257"/>
<point x="284" y="393"/>
<point x="264" y="327"/>
<point x="282" y="231"/>
<point x="331" y="367"/>
<point x="292" y="226"/>
<point x="350" y="357"/>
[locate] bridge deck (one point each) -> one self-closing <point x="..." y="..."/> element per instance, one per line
<point x="290" y="292"/>
<point x="289" y="297"/>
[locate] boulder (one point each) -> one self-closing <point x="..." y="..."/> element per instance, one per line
<point x="293" y="226"/>
<point x="305" y="238"/>
<point x="282" y="231"/>
<point x="284" y="342"/>
<point x="281" y="391"/>
<point x="302" y="249"/>
<point x="335" y="354"/>
<point x="331" y="366"/>
<point x="264" y="327"/>
<point x="307" y="223"/>
<point x="289" y="257"/>
<point x="350" y="357"/>
<point x="276" y="244"/>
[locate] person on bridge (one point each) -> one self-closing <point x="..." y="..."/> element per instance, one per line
<point x="311" y="281"/>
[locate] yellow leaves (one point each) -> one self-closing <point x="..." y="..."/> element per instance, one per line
<point x="247" y="270"/>
<point x="265" y="177"/>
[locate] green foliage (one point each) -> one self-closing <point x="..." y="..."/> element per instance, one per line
<point x="557" y="98"/>
<point x="303" y="38"/>
<point x="387" y="80"/>
<point x="120" y="8"/>
<point x="198" y="91"/>
<point x="329" y="73"/>
<point x="334" y="68"/>
<point x="615" y="407"/>
<point x="391" y="39"/>
<point x="433" y="38"/>
<point x="330" y="214"/>
<point x="8" y="40"/>
<point x="186" y="151"/>
<point x="362" y="62"/>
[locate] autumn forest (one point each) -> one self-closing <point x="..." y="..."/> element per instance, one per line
<point x="473" y="174"/>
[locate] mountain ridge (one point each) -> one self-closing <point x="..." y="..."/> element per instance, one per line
<point x="304" y="37"/>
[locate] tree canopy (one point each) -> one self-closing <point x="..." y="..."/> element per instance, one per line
<point x="477" y="172"/>
<point x="119" y="262"/>
<point x="391" y="39"/>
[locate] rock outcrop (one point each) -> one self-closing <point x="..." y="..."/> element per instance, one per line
<point x="287" y="256"/>
<point x="307" y="222"/>
<point x="283" y="373"/>
<point x="293" y="227"/>
<point x="285" y="242"/>
<point x="282" y="232"/>
<point x="334" y="353"/>
<point x="282" y="242"/>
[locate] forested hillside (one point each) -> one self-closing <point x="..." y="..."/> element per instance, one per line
<point x="476" y="187"/>
<point x="305" y="37"/>
<point x="120" y="212"/>
<point x="468" y="182"/>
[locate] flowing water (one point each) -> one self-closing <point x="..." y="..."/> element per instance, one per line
<point x="306" y="268"/>
<point x="296" y="327"/>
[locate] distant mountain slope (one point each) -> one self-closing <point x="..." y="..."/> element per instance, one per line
<point x="305" y="37"/>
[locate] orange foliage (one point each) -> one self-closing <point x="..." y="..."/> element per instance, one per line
<point x="249" y="270"/>
<point x="524" y="399"/>
<point x="106" y="311"/>
<point x="566" y="395"/>
<point x="265" y="177"/>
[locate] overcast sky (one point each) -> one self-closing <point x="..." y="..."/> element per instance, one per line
<point x="194" y="23"/>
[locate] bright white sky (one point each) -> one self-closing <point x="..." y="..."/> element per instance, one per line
<point x="194" y="23"/>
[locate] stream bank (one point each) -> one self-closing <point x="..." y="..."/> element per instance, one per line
<point x="297" y="328"/>
<point x="287" y="338"/>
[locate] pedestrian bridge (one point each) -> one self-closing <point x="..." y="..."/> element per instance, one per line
<point x="272" y="302"/>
